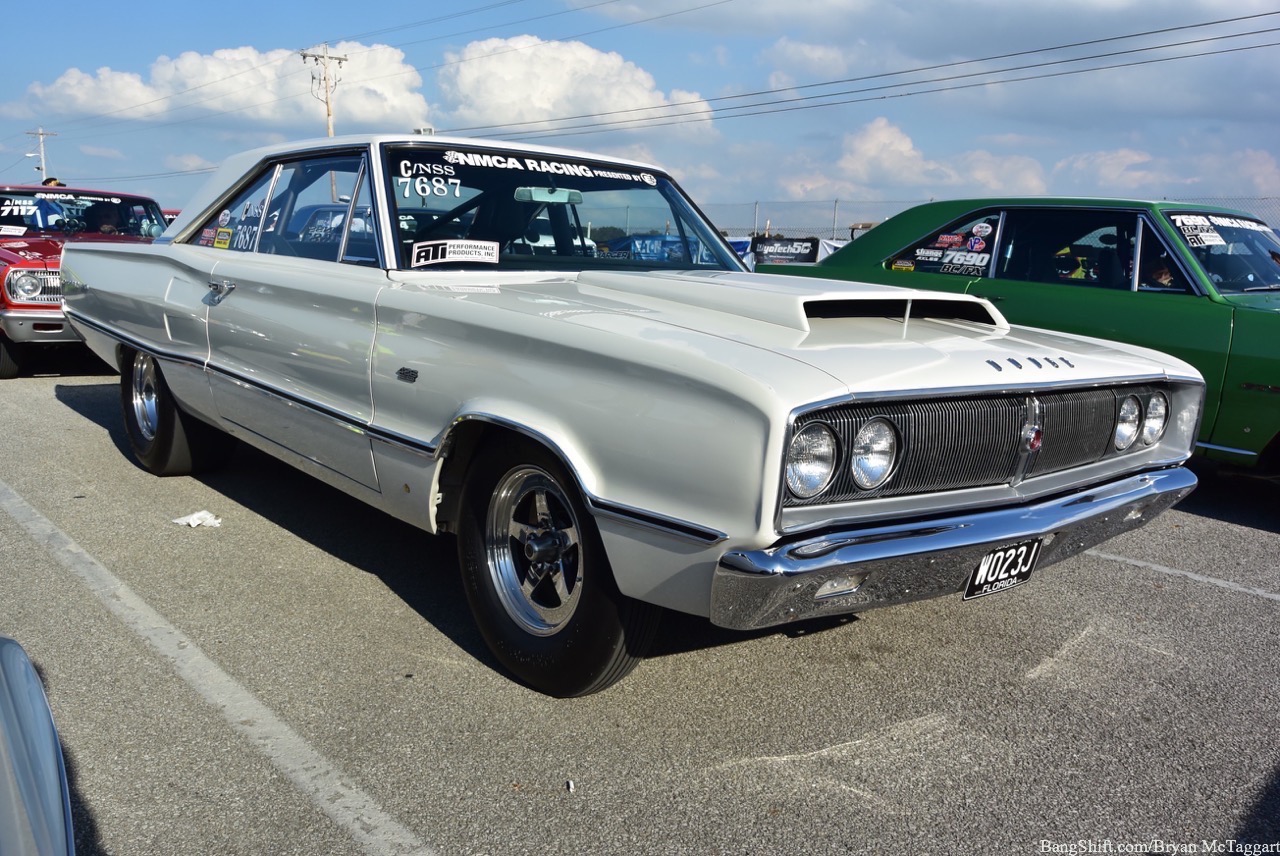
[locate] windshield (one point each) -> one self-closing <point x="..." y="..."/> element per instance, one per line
<point x="1238" y="254"/>
<point x="72" y="212"/>
<point x="534" y="211"/>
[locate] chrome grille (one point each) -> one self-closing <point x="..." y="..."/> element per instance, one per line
<point x="952" y="444"/>
<point x="50" y="284"/>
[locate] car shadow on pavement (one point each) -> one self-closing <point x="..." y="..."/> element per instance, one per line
<point x="1262" y="825"/>
<point x="70" y="360"/>
<point x="1234" y="497"/>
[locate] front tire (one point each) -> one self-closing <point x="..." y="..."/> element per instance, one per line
<point x="538" y="580"/>
<point x="10" y="358"/>
<point x="165" y="440"/>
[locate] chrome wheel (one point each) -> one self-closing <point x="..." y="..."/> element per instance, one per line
<point x="534" y="550"/>
<point x="146" y="416"/>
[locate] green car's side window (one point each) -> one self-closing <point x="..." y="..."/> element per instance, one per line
<point x="1157" y="270"/>
<point x="1069" y="246"/>
<point x="963" y="248"/>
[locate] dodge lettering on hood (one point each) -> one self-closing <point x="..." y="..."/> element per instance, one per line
<point x="556" y="358"/>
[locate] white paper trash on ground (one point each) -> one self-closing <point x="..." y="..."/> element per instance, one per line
<point x="200" y="518"/>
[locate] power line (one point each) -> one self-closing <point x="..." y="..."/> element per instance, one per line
<point x="889" y="74"/>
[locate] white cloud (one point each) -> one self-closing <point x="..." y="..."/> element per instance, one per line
<point x="881" y="153"/>
<point x="524" y="80"/>
<point x="1123" y="171"/>
<point x="187" y="163"/>
<point x="821" y="62"/>
<point x="1000" y="175"/>
<point x="374" y="88"/>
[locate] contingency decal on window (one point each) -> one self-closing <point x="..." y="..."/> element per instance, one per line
<point x="440" y="252"/>
<point x="1201" y="231"/>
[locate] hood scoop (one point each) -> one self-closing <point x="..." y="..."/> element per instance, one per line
<point x="902" y="309"/>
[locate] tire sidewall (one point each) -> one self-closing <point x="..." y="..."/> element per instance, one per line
<point x="154" y="453"/>
<point x="572" y="660"/>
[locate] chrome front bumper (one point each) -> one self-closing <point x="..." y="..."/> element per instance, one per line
<point x="858" y="569"/>
<point x="37" y="325"/>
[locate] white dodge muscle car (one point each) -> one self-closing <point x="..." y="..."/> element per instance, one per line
<point x="612" y="434"/>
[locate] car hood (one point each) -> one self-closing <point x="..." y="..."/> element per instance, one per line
<point x="1265" y="300"/>
<point x="863" y="338"/>
<point x="37" y="249"/>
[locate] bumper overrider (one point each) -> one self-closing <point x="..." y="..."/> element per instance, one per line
<point x="858" y="569"/>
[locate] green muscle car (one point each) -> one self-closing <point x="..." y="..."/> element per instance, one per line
<point x="1199" y="282"/>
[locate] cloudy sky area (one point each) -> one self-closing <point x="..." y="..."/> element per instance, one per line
<point x="863" y="101"/>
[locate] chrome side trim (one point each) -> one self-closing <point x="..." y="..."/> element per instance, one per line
<point x="903" y="562"/>
<point x="1217" y="448"/>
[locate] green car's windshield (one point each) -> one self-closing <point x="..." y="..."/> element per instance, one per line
<point x="507" y="210"/>
<point x="1238" y="254"/>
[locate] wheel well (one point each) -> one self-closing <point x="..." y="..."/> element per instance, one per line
<point x="466" y="444"/>
<point x="1269" y="460"/>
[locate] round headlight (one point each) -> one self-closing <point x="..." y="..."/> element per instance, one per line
<point x="875" y="451"/>
<point x="811" y="460"/>
<point x="1157" y="419"/>
<point x="25" y="287"/>
<point x="1127" y="423"/>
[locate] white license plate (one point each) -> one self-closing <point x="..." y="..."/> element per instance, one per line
<point x="1003" y="568"/>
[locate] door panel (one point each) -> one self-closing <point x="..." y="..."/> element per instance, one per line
<point x="290" y="347"/>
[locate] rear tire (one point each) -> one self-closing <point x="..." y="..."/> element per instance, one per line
<point x="165" y="440"/>
<point x="538" y="580"/>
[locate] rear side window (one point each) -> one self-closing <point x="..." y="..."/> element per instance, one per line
<point x="964" y="248"/>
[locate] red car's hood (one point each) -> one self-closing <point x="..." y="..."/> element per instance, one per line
<point x="39" y="249"/>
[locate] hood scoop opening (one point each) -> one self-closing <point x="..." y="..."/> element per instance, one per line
<point x="902" y="309"/>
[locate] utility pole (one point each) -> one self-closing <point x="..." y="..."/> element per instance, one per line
<point x="323" y="83"/>
<point x="40" y="134"/>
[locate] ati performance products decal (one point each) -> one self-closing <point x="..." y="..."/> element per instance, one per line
<point x="441" y="252"/>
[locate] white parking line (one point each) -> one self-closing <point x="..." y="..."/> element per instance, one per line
<point x="313" y="774"/>
<point x="1200" y="578"/>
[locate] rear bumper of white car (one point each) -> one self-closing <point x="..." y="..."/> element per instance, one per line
<point x="858" y="569"/>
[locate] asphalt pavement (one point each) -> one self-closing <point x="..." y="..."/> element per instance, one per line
<point x="304" y="678"/>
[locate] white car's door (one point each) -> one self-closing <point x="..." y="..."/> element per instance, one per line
<point x="290" y="341"/>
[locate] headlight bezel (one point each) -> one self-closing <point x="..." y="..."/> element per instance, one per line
<point x="886" y="430"/>
<point x="1128" y="423"/>
<point x="24" y="286"/>
<point x="813" y="434"/>
<point x="1149" y="436"/>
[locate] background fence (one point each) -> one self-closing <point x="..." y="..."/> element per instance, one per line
<point x="833" y="219"/>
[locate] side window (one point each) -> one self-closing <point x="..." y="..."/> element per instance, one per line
<point x="1157" y="271"/>
<point x="300" y="208"/>
<point x="236" y="225"/>
<point x="963" y="248"/>
<point x="1069" y="246"/>
<point x="361" y="247"/>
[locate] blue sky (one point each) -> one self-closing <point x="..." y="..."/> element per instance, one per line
<point x="864" y="101"/>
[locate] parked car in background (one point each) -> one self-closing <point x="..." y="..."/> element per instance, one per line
<point x="35" y="798"/>
<point x="35" y="223"/>
<point x="614" y="434"/>
<point x="1201" y="283"/>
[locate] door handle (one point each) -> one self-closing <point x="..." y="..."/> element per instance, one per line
<point x="222" y="287"/>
